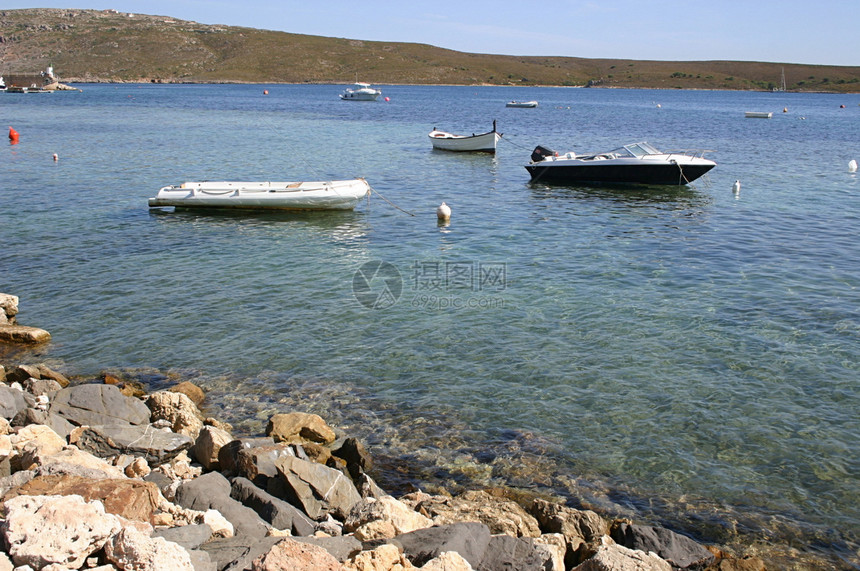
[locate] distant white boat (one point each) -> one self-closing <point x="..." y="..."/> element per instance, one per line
<point x="361" y="92"/>
<point x="321" y="195"/>
<point x="521" y="104"/>
<point x="758" y="115"/>
<point x="484" y="142"/>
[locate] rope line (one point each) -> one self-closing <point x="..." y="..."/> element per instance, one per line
<point x="376" y="192"/>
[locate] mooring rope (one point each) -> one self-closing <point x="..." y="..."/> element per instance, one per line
<point x="376" y="192"/>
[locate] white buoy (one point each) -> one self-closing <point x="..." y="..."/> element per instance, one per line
<point x="852" y="166"/>
<point x="736" y="187"/>
<point x="56" y="158"/>
<point x="443" y="212"/>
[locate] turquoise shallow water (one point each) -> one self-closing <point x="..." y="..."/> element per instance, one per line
<point x="682" y="356"/>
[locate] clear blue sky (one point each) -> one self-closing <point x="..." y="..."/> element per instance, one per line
<point x="788" y="31"/>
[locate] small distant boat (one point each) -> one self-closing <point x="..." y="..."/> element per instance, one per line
<point x="2" y="84"/>
<point x="361" y="92"/>
<point x="484" y="143"/>
<point x="321" y="195"/>
<point x="758" y="114"/>
<point x="521" y="104"/>
<point x="637" y="163"/>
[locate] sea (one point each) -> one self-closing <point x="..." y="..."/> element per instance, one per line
<point x="685" y="357"/>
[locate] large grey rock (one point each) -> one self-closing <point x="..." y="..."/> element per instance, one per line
<point x="212" y="491"/>
<point x="228" y="454"/>
<point x="13" y="401"/>
<point x="155" y="445"/>
<point x="188" y="536"/>
<point x="259" y="463"/>
<point x="469" y="540"/>
<point x="520" y="553"/>
<point x="317" y="489"/>
<point x="99" y="405"/>
<point x="208" y="445"/>
<point x="342" y="548"/>
<point x="133" y="549"/>
<point x="679" y="550"/>
<point x="238" y="552"/>
<point x="277" y="512"/>
<point x="610" y="556"/>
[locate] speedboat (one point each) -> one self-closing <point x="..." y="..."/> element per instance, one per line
<point x="361" y="92"/>
<point x="323" y="195"/>
<point x="637" y="163"/>
<point x="485" y="142"/>
<point x="521" y="104"/>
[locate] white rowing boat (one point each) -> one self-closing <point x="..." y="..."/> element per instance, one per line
<point x="319" y="195"/>
<point x="484" y="142"/>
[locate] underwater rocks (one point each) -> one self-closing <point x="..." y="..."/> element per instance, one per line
<point x="91" y="478"/>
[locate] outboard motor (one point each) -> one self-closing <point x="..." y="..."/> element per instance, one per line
<point x="540" y="153"/>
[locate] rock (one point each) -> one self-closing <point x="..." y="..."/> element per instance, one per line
<point x="43" y="530"/>
<point x="507" y="552"/>
<point x="317" y="489"/>
<point x="679" y="550"/>
<point x="23" y="334"/>
<point x="238" y="553"/>
<point x="12" y="401"/>
<point x="744" y="564"/>
<point x="357" y="459"/>
<point x="39" y="387"/>
<point x="94" y="405"/>
<point x="275" y="511"/>
<point x="499" y="514"/>
<point x="229" y="453"/>
<point x="138" y="468"/>
<point x="8" y="305"/>
<point x="449" y="561"/>
<point x="581" y="529"/>
<point x="190" y="390"/>
<point x="341" y="548"/>
<point x="31" y="442"/>
<point x="612" y="557"/>
<point x="46" y="373"/>
<point x="555" y="547"/>
<point x="188" y="536"/>
<point x="212" y="491"/>
<point x="385" y="557"/>
<point x="75" y="462"/>
<point x="201" y="560"/>
<point x="179" y="410"/>
<point x="154" y="445"/>
<point x="259" y="463"/>
<point x="21" y="373"/>
<point x="131" y="499"/>
<point x="383" y="518"/>
<point x="208" y="445"/>
<point x="289" y="554"/>
<point x="132" y="549"/>
<point x="296" y="427"/>
<point x="469" y="540"/>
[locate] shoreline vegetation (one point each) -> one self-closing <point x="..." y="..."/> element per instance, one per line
<point x="106" y="46"/>
<point x="164" y="485"/>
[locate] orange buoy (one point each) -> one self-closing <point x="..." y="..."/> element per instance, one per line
<point x="265" y="92"/>
<point x="13" y="135"/>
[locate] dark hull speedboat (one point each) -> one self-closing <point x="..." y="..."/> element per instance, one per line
<point x="638" y="163"/>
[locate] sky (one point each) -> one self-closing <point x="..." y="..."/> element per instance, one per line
<point x="789" y="31"/>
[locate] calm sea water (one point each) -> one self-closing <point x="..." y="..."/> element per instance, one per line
<point x="682" y="356"/>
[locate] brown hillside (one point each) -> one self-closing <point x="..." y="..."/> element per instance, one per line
<point x="107" y="46"/>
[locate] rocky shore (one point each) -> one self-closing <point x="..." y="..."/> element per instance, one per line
<point x="101" y="474"/>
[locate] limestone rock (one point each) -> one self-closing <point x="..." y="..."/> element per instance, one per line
<point x="75" y="462"/>
<point x="555" y="547"/>
<point x="132" y="549"/>
<point x="386" y="557"/>
<point x="289" y="554"/>
<point x="612" y="557"/>
<point x="295" y="427"/>
<point x="8" y="305"/>
<point x="179" y="410"/>
<point x="208" y="445"/>
<point x="317" y="489"/>
<point x="469" y="540"/>
<point x="679" y="550"/>
<point x="383" y="518"/>
<point x="499" y="514"/>
<point x="33" y="441"/>
<point x="44" y="530"/>
<point x="23" y="334"/>
<point x="190" y="390"/>
<point x="155" y="445"/>
<point x="96" y="404"/>
<point x="131" y="499"/>
<point x="229" y="453"/>
<point x="259" y="463"/>
<point x="581" y="529"/>
<point x="449" y="561"/>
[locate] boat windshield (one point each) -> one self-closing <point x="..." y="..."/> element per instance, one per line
<point x="636" y="150"/>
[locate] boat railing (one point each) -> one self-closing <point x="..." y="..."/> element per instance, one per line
<point x="695" y="153"/>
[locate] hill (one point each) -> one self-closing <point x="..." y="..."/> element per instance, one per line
<point x="109" y="46"/>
